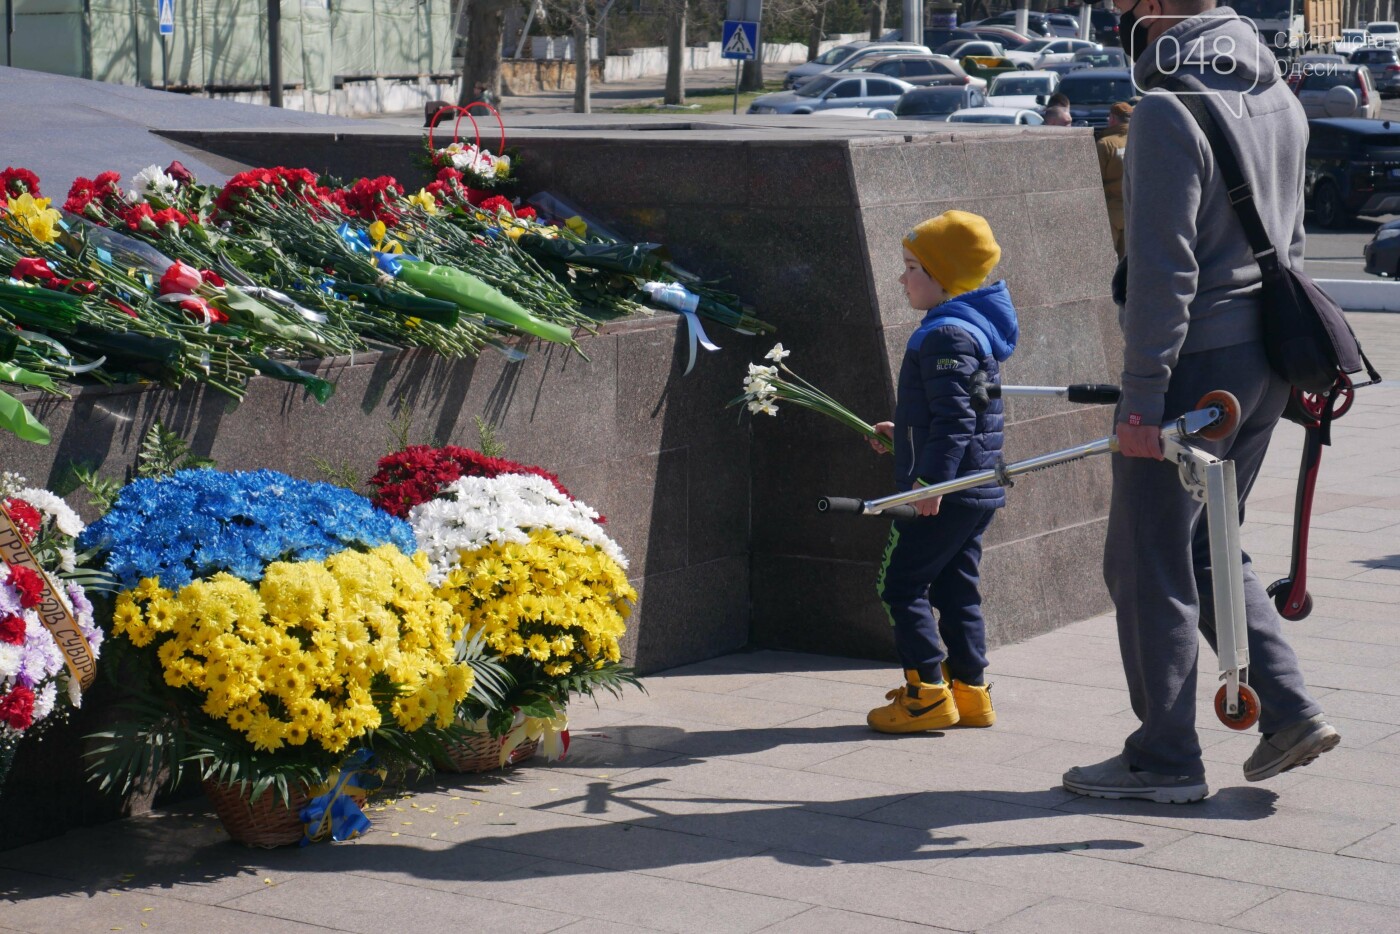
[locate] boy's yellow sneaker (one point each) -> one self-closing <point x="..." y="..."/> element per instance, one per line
<point x="974" y="702"/>
<point x="915" y="707"/>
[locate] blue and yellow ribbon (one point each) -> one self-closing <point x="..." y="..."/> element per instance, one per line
<point x="334" y="814"/>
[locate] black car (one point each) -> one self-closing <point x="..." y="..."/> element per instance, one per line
<point x="1383" y="252"/>
<point x="1036" y="24"/>
<point x="1092" y="91"/>
<point x="1103" y="23"/>
<point x="938" y="103"/>
<point x="1353" y="168"/>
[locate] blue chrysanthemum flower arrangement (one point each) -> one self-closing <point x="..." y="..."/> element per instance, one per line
<point x="199" y="522"/>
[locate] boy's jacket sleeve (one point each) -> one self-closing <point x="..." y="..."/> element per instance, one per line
<point x="947" y="359"/>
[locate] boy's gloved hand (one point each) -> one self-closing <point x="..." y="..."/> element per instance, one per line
<point x="884" y="428"/>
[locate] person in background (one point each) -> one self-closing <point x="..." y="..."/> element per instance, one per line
<point x="1057" y="111"/>
<point x="1111" y="146"/>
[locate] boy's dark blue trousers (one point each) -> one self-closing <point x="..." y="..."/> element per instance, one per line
<point x="932" y="563"/>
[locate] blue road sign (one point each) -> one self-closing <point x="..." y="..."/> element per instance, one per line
<point x="167" y="17"/>
<point x="739" y="39"/>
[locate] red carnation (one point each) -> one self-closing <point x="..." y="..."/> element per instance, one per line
<point x="170" y="216"/>
<point x="477" y="197"/>
<point x="32" y="268"/>
<point x="28" y="584"/>
<point x="213" y="278"/>
<point x="496" y="204"/>
<point x="12" y="629"/>
<point x="140" y="216"/>
<point x="16" y="182"/>
<point x="106" y="183"/>
<point x="17" y="708"/>
<point x="419" y="473"/>
<point x="527" y="213"/>
<point x="26" y="518"/>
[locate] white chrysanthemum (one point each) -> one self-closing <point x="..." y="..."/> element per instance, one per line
<point x="43" y="701"/>
<point x="479" y="511"/>
<point x="53" y="506"/>
<point x="152" y="180"/>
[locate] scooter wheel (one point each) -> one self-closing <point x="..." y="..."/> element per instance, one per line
<point x="1346" y="395"/>
<point x="1249" y="708"/>
<point x="1230" y="419"/>
<point x="1288" y="611"/>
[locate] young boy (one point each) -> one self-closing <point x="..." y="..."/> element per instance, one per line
<point x="938" y="436"/>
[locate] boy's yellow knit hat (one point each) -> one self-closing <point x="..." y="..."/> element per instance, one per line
<point x="956" y="248"/>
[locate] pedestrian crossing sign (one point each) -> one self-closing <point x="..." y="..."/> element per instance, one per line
<point x="167" y="17"/>
<point x="739" y="39"/>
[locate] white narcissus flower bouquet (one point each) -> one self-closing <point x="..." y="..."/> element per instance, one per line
<point x="765" y="386"/>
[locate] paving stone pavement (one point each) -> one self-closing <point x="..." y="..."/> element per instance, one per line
<point x="745" y="793"/>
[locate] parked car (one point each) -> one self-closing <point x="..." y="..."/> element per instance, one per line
<point x="1093" y="91"/>
<point x="1006" y="35"/>
<point x="1102" y="58"/>
<point x="979" y="66"/>
<point x="1023" y="89"/>
<point x="1353" y="167"/>
<point x="1384" y="66"/>
<point x="1104" y="26"/>
<point x="933" y="38"/>
<point x="1065" y="50"/>
<point x="980" y="47"/>
<point x="1065" y="68"/>
<point x="825" y="92"/>
<point x="868" y="113"/>
<point x="1063" y="25"/>
<point x="938" y="103"/>
<point x="1350" y="41"/>
<point x="1383" y="33"/>
<point x="1035" y="23"/>
<point x="1345" y="92"/>
<point x="1383" y="252"/>
<point x="842" y="55"/>
<point x="919" y="70"/>
<point x="1005" y="116"/>
<point x="1321" y="62"/>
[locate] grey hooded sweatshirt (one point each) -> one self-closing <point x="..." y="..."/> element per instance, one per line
<point x="1192" y="280"/>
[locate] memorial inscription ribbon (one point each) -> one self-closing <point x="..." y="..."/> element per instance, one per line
<point x="53" y="612"/>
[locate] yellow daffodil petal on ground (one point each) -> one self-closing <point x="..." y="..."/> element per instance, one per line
<point x="577" y="225"/>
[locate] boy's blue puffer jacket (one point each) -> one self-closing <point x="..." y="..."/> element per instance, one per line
<point x="937" y="435"/>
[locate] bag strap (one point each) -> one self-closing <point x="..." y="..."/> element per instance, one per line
<point x="1237" y="187"/>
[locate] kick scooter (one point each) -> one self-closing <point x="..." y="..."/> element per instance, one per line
<point x="1207" y="478"/>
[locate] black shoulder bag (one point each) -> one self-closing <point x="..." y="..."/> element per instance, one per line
<point x="1306" y="336"/>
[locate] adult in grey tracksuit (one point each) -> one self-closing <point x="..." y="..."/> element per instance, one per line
<point x="1191" y="324"/>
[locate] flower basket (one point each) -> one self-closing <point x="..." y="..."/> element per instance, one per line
<point x="481" y="752"/>
<point x="268" y="822"/>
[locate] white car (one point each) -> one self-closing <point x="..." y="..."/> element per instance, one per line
<point x="1022" y="89"/>
<point x="1058" y="50"/>
<point x="1002" y="116"/>
<point x="1384" y="33"/>
<point x="979" y="47"/>
<point x="1351" y="40"/>
<point x="869" y="113"/>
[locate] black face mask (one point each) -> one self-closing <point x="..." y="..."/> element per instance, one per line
<point x="1133" y="33"/>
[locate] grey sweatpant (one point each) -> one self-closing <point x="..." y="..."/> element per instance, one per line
<point x="1157" y="566"/>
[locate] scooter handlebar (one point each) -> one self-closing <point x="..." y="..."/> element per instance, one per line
<point x="1093" y="393"/>
<point x="851" y="506"/>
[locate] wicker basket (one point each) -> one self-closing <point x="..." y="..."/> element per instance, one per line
<point x="267" y="822"/>
<point x="482" y="753"/>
